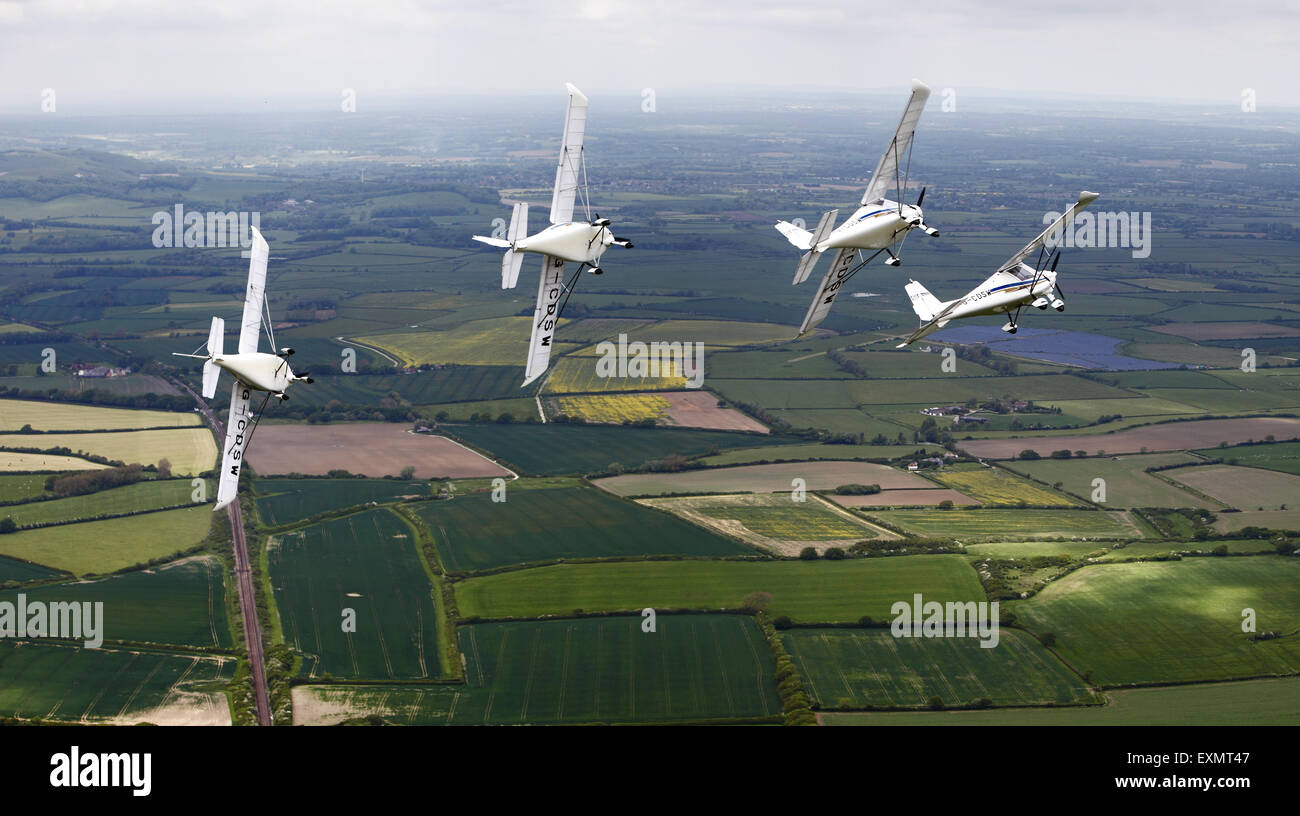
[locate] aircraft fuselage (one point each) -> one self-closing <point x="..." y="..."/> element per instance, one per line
<point x="874" y="226"/>
<point x="1000" y="294"/>
<point x="262" y="371"/>
<point x="577" y="241"/>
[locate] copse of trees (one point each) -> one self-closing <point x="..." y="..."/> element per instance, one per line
<point x="93" y="481"/>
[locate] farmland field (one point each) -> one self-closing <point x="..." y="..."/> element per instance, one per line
<point x="26" y="462"/>
<point x="182" y="603"/>
<point x="365" y="449"/>
<point x="927" y="497"/>
<point x="999" y="523"/>
<point x="99" y="547"/>
<point x="1164" y="437"/>
<point x="1165" y="622"/>
<point x="57" y="682"/>
<point x="1273" y="519"/>
<point x="693" y="667"/>
<point x="859" y="668"/>
<point x="366" y="562"/>
<point x="21" y="487"/>
<point x="998" y="487"/>
<point x="495" y="341"/>
<point x="773" y="521"/>
<point x="19" y="571"/>
<point x="822" y="475"/>
<point x="1242" y="487"/>
<point x="118" y="501"/>
<point x="579" y="375"/>
<point x="813" y="452"/>
<point x="285" y="501"/>
<point x="1248" y="702"/>
<point x="64" y="416"/>
<point x="806" y="591"/>
<point x="1283" y="456"/>
<point x="1127" y="485"/>
<point x="190" y="450"/>
<point x="613" y="408"/>
<point x="549" y="450"/>
<point x="472" y="532"/>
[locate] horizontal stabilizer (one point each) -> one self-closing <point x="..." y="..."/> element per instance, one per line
<point x="496" y="242"/>
<point x="801" y="238"/>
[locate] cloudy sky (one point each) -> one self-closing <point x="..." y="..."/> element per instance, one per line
<point x="128" y="55"/>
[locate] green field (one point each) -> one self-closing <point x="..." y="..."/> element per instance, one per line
<point x="861" y="668"/>
<point x="472" y="532"/>
<point x="100" y="547"/>
<point x="17" y="571"/>
<point x="1126" y="482"/>
<point x="1283" y="456"/>
<point x="285" y="501"/>
<point x="814" y="452"/>
<point x="772" y="517"/>
<point x="1172" y="622"/>
<point x="64" y="416"/>
<point x="806" y="591"/>
<point x="998" y="487"/>
<point x="57" y="682"/>
<point x="998" y="523"/>
<point x="181" y="603"/>
<point x="549" y="450"/>
<point x="118" y="501"/>
<point x="692" y="667"/>
<point x="1251" y="702"/>
<point x="365" y="562"/>
<point x="20" y="487"/>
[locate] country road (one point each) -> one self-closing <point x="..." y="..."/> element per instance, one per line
<point x="243" y="577"/>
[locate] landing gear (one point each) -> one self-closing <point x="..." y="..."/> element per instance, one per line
<point x="1010" y="327"/>
<point x="893" y="259"/>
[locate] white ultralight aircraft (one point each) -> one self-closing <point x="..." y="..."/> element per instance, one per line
<point x="879" y="223"/>
<point x="565" y="240"/>
<point x="253" y="370"/>
<point x="1015" y="285"/>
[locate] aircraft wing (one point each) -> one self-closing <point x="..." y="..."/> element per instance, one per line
<point x="831" y="283"/>
<point x="1085" y="198"/>
<point x="239" y="426"/>
<point x="568" y="171"/>
<point x="545" y="316"/>
<point x="250" y="329"/>
<point x="884" y="178"/>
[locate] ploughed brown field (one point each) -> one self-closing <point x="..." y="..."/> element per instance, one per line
<point x="1206" y="433"/>
<point x="364" y="448"/>
<point x="904" y="498"/>
<point x="699" y="409"/>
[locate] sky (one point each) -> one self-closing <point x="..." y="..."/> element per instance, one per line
<point x="126" y="56"/>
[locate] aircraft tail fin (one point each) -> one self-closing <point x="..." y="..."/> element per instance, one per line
<point x="216" y="341"/>
<point x="926" y="305"/>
